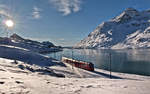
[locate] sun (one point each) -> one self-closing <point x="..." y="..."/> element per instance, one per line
<point x="9" y="23"/>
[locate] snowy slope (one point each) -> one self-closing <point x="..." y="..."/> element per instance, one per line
<point x="21" y="78"/>
<point x="128" y="30"/>
<point x="16" y="40"/>
<point x="26" y="56"/>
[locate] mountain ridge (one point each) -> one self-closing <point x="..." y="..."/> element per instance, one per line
<point x="118" y="32"/>
<point x="31" y="45"/>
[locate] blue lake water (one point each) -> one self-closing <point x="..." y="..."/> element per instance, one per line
<point x="125" y="61"/>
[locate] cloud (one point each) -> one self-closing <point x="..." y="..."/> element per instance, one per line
<point x="36" y="12"/>
<point x="4" y="11"/>
<point x="67" y="6"/>
<point x="62" y="39"/>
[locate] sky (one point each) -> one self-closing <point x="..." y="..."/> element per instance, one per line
<point x="63" y="22"/>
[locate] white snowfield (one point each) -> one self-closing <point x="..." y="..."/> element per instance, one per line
<point x="129" y="30"/>
<point x="33" y="73"/>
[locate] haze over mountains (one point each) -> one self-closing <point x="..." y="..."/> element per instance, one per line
<point x="129" y="30"/>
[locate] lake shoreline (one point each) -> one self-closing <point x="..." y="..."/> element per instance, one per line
<point x="125" y="61"/>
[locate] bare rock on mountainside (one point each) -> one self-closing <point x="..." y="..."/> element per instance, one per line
<point x="16" y="37"/>
<point x="129" y="30"/>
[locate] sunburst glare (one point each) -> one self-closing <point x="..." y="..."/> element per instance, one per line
<point x="9" y="23"/>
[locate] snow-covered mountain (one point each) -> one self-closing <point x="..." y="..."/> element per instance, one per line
<point x="131" y="29"/>
<point x="18" y="41"/>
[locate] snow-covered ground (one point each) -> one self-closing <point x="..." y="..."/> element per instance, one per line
<point x="15" y="80"/>
<point x="34" y="73"/>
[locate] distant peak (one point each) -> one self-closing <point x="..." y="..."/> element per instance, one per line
<point x="126" y="15"/>
<point x="148" y="10"/>
<point x="131" y="9"/>
<point x="15" y="36"/>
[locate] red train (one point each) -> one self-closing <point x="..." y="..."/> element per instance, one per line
<point x="80" y="64"/>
